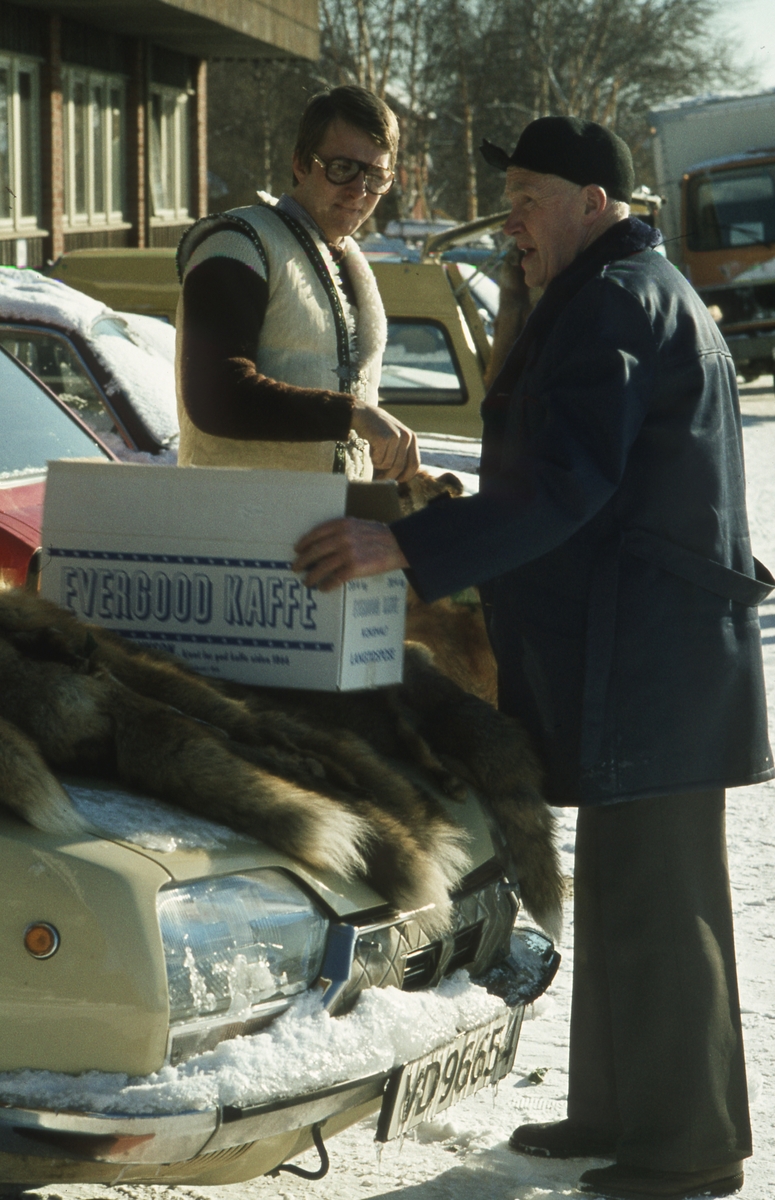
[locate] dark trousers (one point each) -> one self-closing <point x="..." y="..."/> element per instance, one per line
<point x="656" y="1048"/>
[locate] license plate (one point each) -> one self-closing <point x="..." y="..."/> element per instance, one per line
<point x="420" y="1090"/>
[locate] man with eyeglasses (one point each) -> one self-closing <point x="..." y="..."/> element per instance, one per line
<point x="281" y="328"/>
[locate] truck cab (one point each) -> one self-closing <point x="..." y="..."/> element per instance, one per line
<point x="714" y="162"/>
<point x="728" y="220"/>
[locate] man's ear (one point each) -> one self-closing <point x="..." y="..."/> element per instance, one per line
<point x="595" y="201"/>
<point x="299" y="170"/>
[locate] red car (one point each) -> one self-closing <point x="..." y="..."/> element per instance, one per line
<point x="35" y="427"/>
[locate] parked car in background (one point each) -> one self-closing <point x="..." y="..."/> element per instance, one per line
<point x="115" y="370"/>
<point x="35" y="427"/>
<point x="438" y="322"/>
<point x="129" y="280"/>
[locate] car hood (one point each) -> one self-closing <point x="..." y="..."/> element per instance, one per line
<point x="190" y="847"/>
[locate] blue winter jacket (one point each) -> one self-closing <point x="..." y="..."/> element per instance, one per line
<point x="610" y="537"/>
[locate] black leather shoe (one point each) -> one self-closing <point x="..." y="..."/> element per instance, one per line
<point x="620" y="1182"/>
<point x="562" y="1139"/>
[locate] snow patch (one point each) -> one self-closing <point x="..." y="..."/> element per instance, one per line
<point x="763" y="272"/>
<point x="305" y="1049"/>
<point x="150" y="824"/>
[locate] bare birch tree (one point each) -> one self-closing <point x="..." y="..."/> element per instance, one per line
<point x="458" y="70"/>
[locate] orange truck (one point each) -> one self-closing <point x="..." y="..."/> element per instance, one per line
<point x="715" y="167"/>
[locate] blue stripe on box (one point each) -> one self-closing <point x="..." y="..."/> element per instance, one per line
<point x="150" y="635"/>
<point x="197" y="560"/>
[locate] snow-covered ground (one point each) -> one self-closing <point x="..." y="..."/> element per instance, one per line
<point x="465" y="1155"/>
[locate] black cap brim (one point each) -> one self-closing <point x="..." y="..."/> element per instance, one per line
<point x="494" y="156"/>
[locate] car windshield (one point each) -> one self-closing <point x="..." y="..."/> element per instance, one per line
<point x="33" y="428"/>
<point x="52" y="357"/>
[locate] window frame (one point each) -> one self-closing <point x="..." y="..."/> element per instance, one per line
<point x="24" y="225"/>
<point x="416" y="397"/>
<point x="180" y="209"/>
<point x="109" y="82"/>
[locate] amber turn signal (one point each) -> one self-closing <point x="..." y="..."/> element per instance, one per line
<point x="41" y="939"/>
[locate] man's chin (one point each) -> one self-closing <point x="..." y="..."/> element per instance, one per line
<point x="347" y="223"/>
<point x="532" y="272"/>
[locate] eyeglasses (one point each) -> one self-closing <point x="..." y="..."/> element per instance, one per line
<point x="345" y="170"/>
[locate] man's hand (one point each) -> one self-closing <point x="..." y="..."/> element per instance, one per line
<point x="347" y="548"/>
<point x="394" y="450"/>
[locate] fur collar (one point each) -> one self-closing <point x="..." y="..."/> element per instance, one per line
<point x="368" y="325"/>
<point x="371" y="322"/>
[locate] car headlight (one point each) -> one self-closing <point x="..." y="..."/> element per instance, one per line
<point x="235" y="942"/>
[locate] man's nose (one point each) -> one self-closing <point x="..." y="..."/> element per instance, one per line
<point x="357" y="186"/>
<point x="513" y="223"/>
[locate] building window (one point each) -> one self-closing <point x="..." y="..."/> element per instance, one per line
<point x="95" y="148"/>
<point x="170" y="153"/>
<point x="19" y="144"/>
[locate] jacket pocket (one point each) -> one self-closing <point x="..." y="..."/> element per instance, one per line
<point x="699" y="570"/>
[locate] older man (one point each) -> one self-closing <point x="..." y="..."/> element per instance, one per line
<point x="610" y="542"/>
<point x="281" y="327"/>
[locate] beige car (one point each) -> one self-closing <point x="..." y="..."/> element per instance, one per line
<point x="168" y="987"/>
<point x="437" y="351"/>
<point x="182" y="1004"/>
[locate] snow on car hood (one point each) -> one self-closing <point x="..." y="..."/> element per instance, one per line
<point x="149" y="824"/>
<point x="139" y="359"/>
<point x="303" y="1050"/>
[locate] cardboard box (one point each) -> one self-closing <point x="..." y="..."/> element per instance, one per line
<point x="198" y="562"/>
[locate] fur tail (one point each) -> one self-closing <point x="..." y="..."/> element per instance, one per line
<point x="527" y="826"/>
<point x="160" y="751"/>
<point x="494" y="753"/>
<point x="179" y="760"/>
<point x="28" y="788"/>
<point x="416" y="874"/>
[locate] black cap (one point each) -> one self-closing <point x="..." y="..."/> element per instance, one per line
<point x="580" y="151"/>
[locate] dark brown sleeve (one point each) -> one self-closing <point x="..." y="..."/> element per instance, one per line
<point x="224" y="304"/>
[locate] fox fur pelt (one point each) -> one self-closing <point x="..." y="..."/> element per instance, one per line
<point x="453" y="629"/>
<point x="316" y="775"/>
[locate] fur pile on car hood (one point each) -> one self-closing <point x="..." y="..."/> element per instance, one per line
<point x="334" y="780"/>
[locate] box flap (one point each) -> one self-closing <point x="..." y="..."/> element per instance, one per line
<point x="216" y="505"/>
<point x="376" y="501"/>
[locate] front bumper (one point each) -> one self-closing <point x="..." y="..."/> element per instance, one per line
<point x="157" y="1140"/>
<point x="230" y="1144"/>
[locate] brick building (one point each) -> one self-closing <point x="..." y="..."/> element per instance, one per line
<point x="103" y="124"/>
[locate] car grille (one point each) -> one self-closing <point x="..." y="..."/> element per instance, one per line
<point x="421" y="966"/>
<point x="398" y="952"/>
